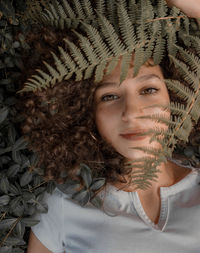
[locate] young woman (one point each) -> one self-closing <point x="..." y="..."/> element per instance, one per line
<point x="162" y="218"/>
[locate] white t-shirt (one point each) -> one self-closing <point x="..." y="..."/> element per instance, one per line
<point x="123" y="226"/>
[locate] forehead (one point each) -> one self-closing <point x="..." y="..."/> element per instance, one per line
<point x="147" y="71"/>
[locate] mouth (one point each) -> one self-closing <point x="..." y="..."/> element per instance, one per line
<point x="135" y="136"/>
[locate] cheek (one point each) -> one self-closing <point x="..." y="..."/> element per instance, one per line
<point x="105" y="122"/>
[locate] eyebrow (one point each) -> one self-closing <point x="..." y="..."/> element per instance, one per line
<point x="140" y="78"/>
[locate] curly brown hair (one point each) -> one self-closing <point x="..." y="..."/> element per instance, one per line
<point x="59" y="121"/>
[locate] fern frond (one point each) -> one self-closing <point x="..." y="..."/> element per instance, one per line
<point x="171" y="37"/>
<point x="162" y="8"/>
<point x="63" y="71"/>
<point x="185" y="72"/>
<point x="110" y="35"/>
<point x="76" y="54"/>
<point x="139" y="59"/>
<point x="112" y="12"/>
<point x="126" y="28"/>
<point x="88" y="49"/>
<point x="87" y="7"/>
<point x="101" y="7"/>
<point x="94" y="36"/>
<point x="67" y="60"/>
<point x="132" y="11"/>
<point x="196" y="43"/>
<point x="192" y="60"/>
<point x="182" y="133"/>
<point x="54" y="10"/>
<point x="181" y="90"/>
<point x="125" y="63"/>
<point x="195" y="112"/>
<point x="99" y="72"/>
<point x="111" y="65"/>
<point x="159" y="47"/>
<point x="68" y="10"/>
<point x="55" y="75"/>
<point x="79" y="9"/>
<point x="89" y="72"/>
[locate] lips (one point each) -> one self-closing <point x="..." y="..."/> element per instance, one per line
<point x="133" y="135"/>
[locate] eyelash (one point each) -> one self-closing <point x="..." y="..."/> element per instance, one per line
<point x="111" y="95"/>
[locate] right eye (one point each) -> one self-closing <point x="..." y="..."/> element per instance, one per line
<point x="109" y="97"/>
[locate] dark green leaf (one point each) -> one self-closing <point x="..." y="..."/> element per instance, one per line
<point x="19" y="210"/>
<point x="11" y="133"/>
<point x="34" y="159"/>
<point x="29" y="222"/>
<point x="97" y="184"/>
<point x="14" y="202"/>
<point x="3" y="114"/>
<point x="4" y="200"/>
<point x="13" y="189"/>
<point x="20" y="229"/>
<point x="27" y="196"/>
<point x="85" y="173"/>
<point x="42" y="207"/>
<point x="21" y="143"/>
<point x="26" y="178"/>
<point x="6" y="223"/>
<point x="13" y="170"/>
<point x="4" y="185"/>
<point x="14" y="241"/>
<point x="69" y="187"/>
<point x="51" y="186"/>
<point x="82" y="197"/>
<point x="16" y="156"/>
<point x="97" y="202"/>
<point x="6" y="249"/>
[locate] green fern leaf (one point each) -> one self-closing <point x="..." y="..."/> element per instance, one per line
<point x="68" y="10"/>
<point x="52" y="71"/>
<point x="77" y="54"/>
<point x="184" y="71"/>
<point x="112" y="13"/>
<point x="139" y="59"/>
<point x="67" y="60"/>
<point x="101" y="48"/>
<point x="112" y="65"/>
<point x="87" y="8"/>
<point x="89" y="72"/>
<point x="110" y="36"/>
<point x="79" y="9"/>
<point x="192" y="60"/>
<point x="88" y="49"/>
<point x="162" y="8"/>
<point x="195" y="112"/>
<point x="99" y="72"/>
<point x="159" y="48"/>
<point x="126" y="28"/>
<point x="101" y="7"/>
<point x="132" y="11"/>
<point x="125" y="63"/>
<point x="182" y="91"/>
<point x="63" y="71"/>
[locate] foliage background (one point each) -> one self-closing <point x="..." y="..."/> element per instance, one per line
<point x="21" y="184"/>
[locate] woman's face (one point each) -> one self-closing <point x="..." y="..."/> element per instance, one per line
<point x="118" y="106"/>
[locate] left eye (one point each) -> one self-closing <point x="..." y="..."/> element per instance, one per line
<point x="149" y="89"/>
<point x="109" y="97"/>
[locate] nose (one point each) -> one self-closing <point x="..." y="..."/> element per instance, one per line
<point x="131" y="108"/>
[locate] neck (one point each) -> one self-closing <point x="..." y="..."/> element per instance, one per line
<point x="170" y="173"/>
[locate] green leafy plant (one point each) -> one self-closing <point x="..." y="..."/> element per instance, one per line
<point x="150" y="31"/>
<point x="21" y="182"/>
